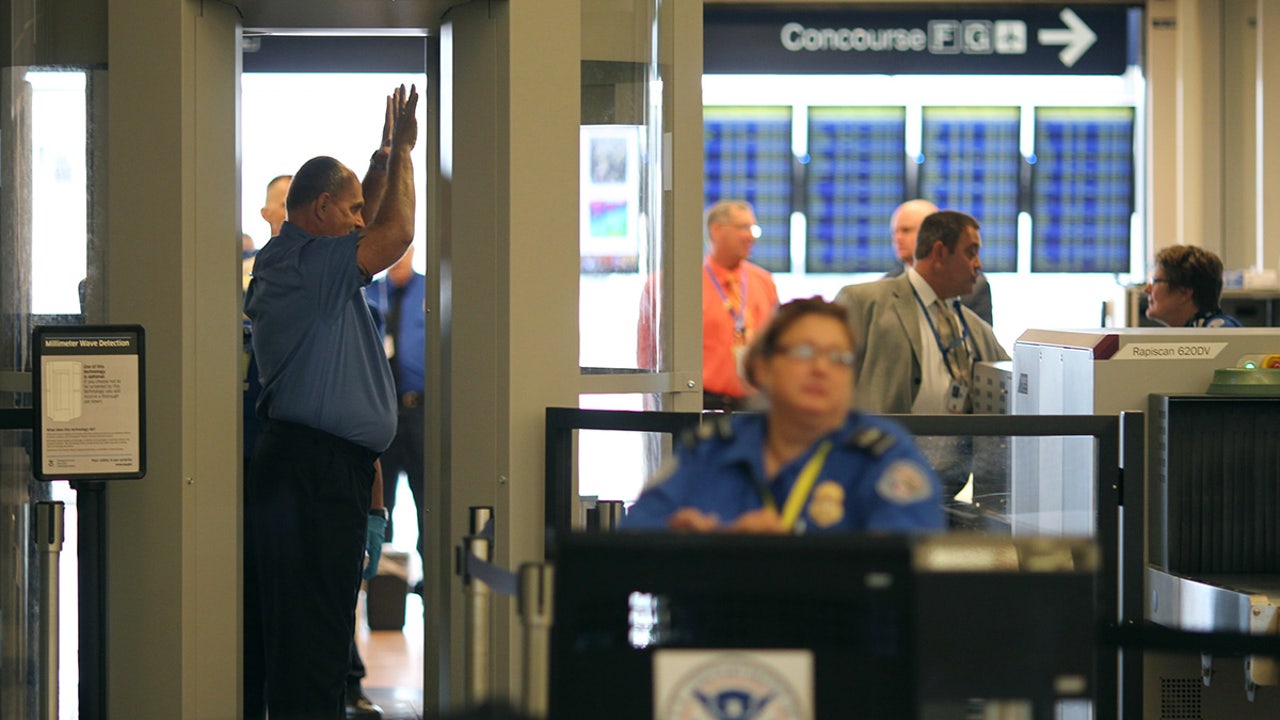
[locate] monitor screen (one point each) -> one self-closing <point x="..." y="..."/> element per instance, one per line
<point x="623" y="600"/>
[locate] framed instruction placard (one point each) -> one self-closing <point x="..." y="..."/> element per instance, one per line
<point x="89" y="400"/>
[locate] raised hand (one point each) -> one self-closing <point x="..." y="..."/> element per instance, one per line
<point x="401" y="111"/>
<point x="387" y="123"/>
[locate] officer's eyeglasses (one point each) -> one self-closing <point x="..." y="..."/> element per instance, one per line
<point x="808" y="353"/>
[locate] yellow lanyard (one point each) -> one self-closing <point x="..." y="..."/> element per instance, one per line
<point x="800" y="491"/>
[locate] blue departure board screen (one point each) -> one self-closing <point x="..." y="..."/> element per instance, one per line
<point x="972" y="163"/>
<point x="855" y="177"/>
<point x="1082" y="190"/>
<point x="747" y="156"/>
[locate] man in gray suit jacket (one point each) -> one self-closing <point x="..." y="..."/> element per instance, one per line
<point x="905" y="224"/>
<point x="891" y="328"/>
<point x="906" y="362"/>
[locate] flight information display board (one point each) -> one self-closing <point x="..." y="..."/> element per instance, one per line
<point x="747" y="156"/>
<point x="972" y="163"/>
<point x="1082" y="189"/>
<point x="855" y="178"/>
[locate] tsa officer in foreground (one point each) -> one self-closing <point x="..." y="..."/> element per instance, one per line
<point x="809" y="463"/>
<point x="1185" y="290"/>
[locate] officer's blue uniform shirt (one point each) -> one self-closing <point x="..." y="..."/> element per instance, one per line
<point x="319" y="355"/>
<point x="411" y="335"/>
<point x="1213" y="319"/>
<point x="874" y="479"/>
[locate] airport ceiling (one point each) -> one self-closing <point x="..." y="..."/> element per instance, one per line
<point x="344" y="17"/>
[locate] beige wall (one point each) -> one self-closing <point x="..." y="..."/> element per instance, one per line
<point x="173" y="537"/>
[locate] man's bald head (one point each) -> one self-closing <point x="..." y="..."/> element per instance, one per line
<point x="273" y="210"/>
<point x="905" y="224"/>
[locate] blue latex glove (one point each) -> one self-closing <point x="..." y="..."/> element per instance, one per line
<point x="374" y="536"/>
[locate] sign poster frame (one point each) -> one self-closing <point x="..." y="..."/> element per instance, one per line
<point x="89" y="394"/>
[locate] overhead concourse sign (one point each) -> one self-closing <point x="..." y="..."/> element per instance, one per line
<point x="972" y="40"/>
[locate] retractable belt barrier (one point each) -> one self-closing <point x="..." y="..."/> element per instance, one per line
<point x="532" y="587"/>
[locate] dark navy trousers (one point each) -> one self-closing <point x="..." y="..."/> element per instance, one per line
<point x="306" y="510"/>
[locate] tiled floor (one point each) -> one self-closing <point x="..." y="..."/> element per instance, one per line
<point x="393" y="663"/>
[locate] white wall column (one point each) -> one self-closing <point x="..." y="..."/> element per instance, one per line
<point x="1163" y="200"/>
<point x="1199" y="124"/>
<point x="172" y="265"/>
<point x="1206" y="154"/>
<point x="1184" y="124"/>
<point x="1268" y="136"/>
<point x="1239" y="133"/>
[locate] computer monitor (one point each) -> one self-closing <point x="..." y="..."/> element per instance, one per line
<point x="882" y="626"/>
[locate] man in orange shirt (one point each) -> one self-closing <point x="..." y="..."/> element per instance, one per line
<point x="738" y="298"/>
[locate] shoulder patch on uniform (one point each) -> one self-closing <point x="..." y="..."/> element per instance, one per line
<point x="904" y="482"/>
<point x="871" y="439"/>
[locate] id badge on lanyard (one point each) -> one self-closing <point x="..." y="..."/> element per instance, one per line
<point x="957" y="398"/>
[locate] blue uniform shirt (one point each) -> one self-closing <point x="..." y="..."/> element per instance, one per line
<point x="319" y="355"/>
<point x="1212" y="319"/>
<point x="874" y="479"/>
<point x="411" y="335"/>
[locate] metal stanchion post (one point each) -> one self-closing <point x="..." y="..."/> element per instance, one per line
<point x="478" y="608"/>
<point x="49" y="541"/>
<point x="611" y="513"/>
<point x="477" y="648"/>
<point x="536" y="585"/>
<point x="480" y="516"/>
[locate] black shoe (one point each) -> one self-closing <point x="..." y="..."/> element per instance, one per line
<point x="360" y="707"/>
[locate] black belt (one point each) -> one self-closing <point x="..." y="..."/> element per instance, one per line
<point x="304" y="433"/>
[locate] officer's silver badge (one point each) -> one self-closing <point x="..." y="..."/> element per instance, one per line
<point x="904" y="482"/>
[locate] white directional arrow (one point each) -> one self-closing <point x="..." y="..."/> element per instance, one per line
<point x="1077" y="37"/>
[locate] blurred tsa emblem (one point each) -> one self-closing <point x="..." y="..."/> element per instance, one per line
<point x="738" y="685"/>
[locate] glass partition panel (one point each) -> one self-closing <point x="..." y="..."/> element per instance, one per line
<point x="45" y="196"/>
<point x="1023" y="486"/>
<point x="620" y="187"/>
